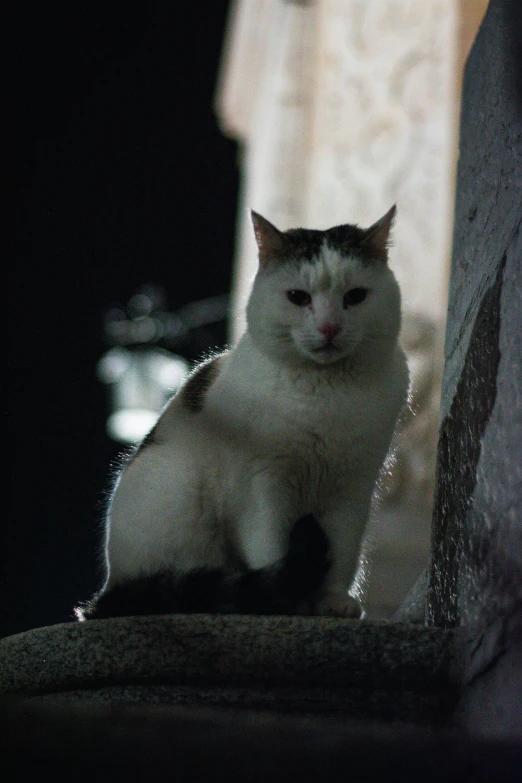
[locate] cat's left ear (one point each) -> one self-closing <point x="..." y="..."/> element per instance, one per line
<point x="271" y="242"/>
<point x="378" y="236"/>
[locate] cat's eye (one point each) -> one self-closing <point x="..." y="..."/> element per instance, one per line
<point x="354" y="296"/>
<point x="299" y="298"/>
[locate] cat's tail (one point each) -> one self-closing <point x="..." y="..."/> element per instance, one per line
<point x="287" y="587"/>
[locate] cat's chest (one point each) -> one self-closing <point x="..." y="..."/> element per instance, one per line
<point x="335" y="416"/>
<point x="287" y="417"/>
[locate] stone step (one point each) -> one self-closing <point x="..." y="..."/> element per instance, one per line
<point x="304" y="665"/>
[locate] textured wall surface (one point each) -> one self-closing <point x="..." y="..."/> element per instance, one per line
<point x="476" y="572"/>
<point x="478" y="519"/>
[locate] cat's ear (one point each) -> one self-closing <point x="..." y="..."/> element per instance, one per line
<point x="271" y="242"/>
<point x="378" y="236"/>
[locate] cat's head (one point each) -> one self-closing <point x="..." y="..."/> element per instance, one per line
<point x="323" y="296"/>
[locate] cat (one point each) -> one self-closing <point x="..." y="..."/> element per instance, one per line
<point x="253" y="490"/>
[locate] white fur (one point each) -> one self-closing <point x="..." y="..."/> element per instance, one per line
<point x="289" y="427"/>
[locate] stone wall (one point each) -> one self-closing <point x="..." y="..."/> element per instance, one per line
<point x="477" y="536"/>
<point x="475" y="579"/>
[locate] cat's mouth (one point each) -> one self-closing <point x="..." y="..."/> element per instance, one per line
<point x="327" y="348"/>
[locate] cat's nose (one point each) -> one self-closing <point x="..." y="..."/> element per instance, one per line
<point x="329" y="329"/>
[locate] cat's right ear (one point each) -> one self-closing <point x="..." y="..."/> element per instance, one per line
<point x="378" y="236"/>
<point x="271" y="242"/>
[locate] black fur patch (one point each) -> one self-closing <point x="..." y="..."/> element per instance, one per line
<point x="161" y="593"/>
<point x="283" y="588"/>
<point x="280" y="589"/>
<point x="193" y="392"/>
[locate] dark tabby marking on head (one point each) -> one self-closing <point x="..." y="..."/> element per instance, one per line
<point x="305" y="244"/>
<point x="352" y="240"/>
<point x="197" y="384"/>
<point x="284" y="588"/>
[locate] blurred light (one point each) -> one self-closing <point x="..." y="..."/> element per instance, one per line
<point x="142" y="375"/>
<point x="141" y="381"/>
<point x="139" y="305"/>
<point x="113" y="364"/>
<point x="131" y="426"/>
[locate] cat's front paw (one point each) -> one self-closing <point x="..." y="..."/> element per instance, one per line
<point x="338" y="605"/>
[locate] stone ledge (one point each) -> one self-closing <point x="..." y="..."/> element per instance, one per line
<point x="285" y="663"/>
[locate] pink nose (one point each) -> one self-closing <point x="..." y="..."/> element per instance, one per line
<point x="329" y="330"/>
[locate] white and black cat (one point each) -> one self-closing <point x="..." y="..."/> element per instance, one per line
<point x="252" y="492"/>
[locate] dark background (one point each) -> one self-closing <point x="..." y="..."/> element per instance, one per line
<point x="120" y="177"/>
